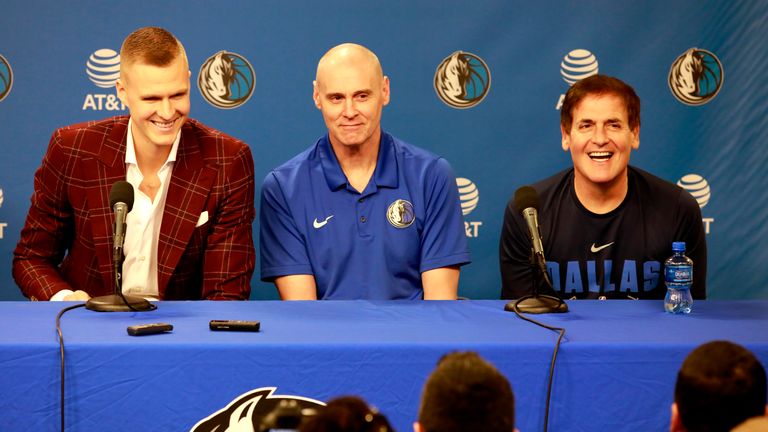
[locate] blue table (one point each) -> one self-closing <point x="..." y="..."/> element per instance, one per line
<point x="616" y="367"/>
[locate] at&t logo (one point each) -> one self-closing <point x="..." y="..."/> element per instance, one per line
<point x="226" y="80"/>
<point x="695" y="77"/>
<point x="2" y="224"/>
<point x="698" y="187"/>
<point x="6" y="78"/>
<point x="462" y="80"/>
<point x="103" y="69"/>
<point x="577" y="65"/>
<point x="469" y="196"/>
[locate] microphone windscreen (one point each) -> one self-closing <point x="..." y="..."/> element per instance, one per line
<point x="122" y="191"/>
<point x="526" y="197"/>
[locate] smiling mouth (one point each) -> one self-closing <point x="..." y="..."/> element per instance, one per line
<point x="164" y="125"/>
<point x="600" y="155"/>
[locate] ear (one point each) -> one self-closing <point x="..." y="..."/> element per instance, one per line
<point x="636" y="138"/>
<point x="566" y="142"/>
<point x="120" y="90"/>
<point x="675" y="424"/>
<point x="385" y="90"/>
<point x="316" y="94"/>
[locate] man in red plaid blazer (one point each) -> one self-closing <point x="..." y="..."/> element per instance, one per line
<point x="202" y="243"/>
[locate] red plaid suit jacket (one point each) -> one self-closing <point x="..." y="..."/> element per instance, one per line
<point x="66" y="242"/>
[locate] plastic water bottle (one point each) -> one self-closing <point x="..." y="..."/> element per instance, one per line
<point x="678" y="275"/>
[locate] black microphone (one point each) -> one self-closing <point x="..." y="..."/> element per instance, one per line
<point x="121" y="202"/>
<point x="527" y="203"/>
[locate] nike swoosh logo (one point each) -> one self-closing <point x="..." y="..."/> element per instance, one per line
<point x="317" y="224"/>
<point x="596" y="249"/>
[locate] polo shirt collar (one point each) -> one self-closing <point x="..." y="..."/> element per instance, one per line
<point x="385" y="174"/>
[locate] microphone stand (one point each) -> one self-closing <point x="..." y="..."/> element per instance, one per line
<point x="537" y="303"/>
<point x="119" y="302"/>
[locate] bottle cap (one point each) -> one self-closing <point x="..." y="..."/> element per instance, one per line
<point x="678" y="246"/>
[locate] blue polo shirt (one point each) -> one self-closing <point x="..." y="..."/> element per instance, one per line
<point x="369" y="245"/>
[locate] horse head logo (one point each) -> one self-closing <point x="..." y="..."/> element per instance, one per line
<point x="216" y="81"/>
<point x="400" y="213"/>
<point x="695" y="77"/>
<point x="226" y="80"/>
<point x="462" y="80"/>
<point x="6" y="78"/>
<point x="251" y="411"/>
<point x="453" y="78"/>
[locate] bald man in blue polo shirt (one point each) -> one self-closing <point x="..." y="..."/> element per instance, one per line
<point x="360" y="214"/>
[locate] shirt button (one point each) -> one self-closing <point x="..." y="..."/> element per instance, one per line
<point x="142" y="258"/>
<point x="361" y="200"/>
<point x="363" y="219"/>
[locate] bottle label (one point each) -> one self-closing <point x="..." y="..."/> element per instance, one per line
<point x="679" y="275"/>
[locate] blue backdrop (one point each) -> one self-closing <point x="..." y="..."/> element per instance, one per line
<point x="707" y="132"/>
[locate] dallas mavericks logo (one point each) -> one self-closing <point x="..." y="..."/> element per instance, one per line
<point x="6" y="78"/>
<point x="697" y="186"/>
<point x="103" y="67"/>
<point x="469" y="196"/>
<point x="254" y="411"/>
<point x="462" y="80"/>
<point x="695" y="77"/>
<point x="400" y="214"/>
<point x="226" y="80"/>
<point x="577" y="65"/>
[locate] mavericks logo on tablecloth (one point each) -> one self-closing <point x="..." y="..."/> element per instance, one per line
<point x="255" y="411"/>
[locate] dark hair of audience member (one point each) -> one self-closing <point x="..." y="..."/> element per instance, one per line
<point x="719" y="385"/>
<point x="466" y="393"/>
<point x="346" y="414"/>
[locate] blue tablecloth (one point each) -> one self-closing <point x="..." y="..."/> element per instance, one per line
<point x="616" y="368"/>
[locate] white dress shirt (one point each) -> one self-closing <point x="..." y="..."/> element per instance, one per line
<point x="143" y="224"/>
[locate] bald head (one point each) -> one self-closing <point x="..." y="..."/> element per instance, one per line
<point x="351" y="90"/>
<point x="348" y="55"/>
